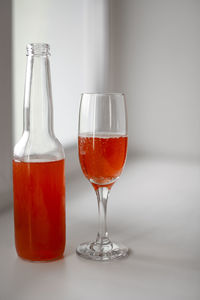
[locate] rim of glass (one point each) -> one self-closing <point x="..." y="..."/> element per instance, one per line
<point x="38" y="45"/>
<point x="106" y="94"/>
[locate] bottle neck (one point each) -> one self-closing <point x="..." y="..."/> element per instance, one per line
<point x="38" y="114"/>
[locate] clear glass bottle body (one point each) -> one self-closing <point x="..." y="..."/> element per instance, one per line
<point x="38" y="168"/>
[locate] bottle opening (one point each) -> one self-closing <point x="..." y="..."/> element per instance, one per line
<point x="38" y="49"/>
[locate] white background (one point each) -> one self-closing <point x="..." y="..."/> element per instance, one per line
<point x="157" y="64"/>
<point x="147" y="49"/>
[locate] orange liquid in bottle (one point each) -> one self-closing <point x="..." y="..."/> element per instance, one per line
<point x="39" y="209"/>
<point x="102" y="158"/>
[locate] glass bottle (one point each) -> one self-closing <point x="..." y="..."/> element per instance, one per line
<point x="38" y="168"/>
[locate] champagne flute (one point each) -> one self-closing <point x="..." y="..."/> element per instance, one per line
<point x="102" y="143"/>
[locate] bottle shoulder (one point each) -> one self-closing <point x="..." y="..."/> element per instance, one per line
<point x="33" y="148"/>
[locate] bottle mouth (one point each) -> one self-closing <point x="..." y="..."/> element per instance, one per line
<point x="38" y="49"/>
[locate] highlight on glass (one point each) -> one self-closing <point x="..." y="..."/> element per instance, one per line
<point x="102" y="144"/>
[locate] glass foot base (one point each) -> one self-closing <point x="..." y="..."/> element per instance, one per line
<point x="95" y="251"/>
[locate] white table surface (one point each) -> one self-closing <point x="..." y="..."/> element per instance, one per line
<point x="154" y="209"/>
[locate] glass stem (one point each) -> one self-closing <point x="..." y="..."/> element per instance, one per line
<point x="102" y="198"/>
